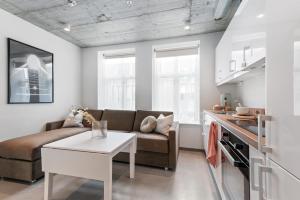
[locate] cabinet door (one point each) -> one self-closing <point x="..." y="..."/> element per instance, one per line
<point x="206" y="125"/>
<point x="255" y="50"/>
<point x="248" y="33"/>
<point x="282" y="83"/>
<point x="281" y="184"/>
<point x="237" y="56"/>
<point x="223" y="58"/>
<point x="256" y="159"/>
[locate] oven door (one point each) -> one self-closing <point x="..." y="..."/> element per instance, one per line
<point x="235" y="182"/>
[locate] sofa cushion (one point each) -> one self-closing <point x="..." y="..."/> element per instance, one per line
<point x="164" y="124"/>
<point x="29" y="147"/>
<point x="141" y="114"/>
<point x="153" y="142"/>
<point x="121" y="120"/>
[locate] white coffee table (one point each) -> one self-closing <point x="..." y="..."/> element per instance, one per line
<point x="82" y="156"/>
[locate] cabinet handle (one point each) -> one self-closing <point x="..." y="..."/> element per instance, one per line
<point x="233" y="162"/>
<point x="246" y="48"/>
<point x="254" y="161"/>
<point x="262" y="169"/>
<point x="230" y="66"/>
<point x="262" y="148"/>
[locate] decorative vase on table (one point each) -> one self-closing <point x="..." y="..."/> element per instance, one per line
<point x="99" y="129"/>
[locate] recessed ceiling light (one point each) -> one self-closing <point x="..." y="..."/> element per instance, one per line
<point x="67" y="28"/>
<point x="260" y="16"/>
<point x="187" y="25"/>
<point x="72" y="3"/>
<point x="129" y="3"/>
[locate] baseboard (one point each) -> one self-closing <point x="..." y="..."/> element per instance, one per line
<point x="191" y="149"/>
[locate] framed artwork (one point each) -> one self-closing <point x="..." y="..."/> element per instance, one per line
<point x="30" y="74"/>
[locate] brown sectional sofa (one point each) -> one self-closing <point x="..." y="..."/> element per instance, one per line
<point x="20" y="158"/>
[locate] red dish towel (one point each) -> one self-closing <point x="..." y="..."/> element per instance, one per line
<point x="212" y="144"/>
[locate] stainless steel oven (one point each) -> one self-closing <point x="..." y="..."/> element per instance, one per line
<point x="235" y="166"/>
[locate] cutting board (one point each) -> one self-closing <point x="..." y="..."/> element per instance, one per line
<point x="244" y="117"/>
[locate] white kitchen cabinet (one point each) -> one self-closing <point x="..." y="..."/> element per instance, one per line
<point x="256" y="159"/>
<point x="216" y="172"/>
<point x="207" y="120"/>
<point x="243" y="43"/>
<point x="282" y="83"/>
<point x="282" y="150"/>
<point x="222" y="69"/>
<point x="281" y="184"/>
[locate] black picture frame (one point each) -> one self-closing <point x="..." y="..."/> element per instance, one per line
<point x="34" y="93"/>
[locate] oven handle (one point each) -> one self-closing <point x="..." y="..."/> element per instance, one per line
<point x="232" y="161"/>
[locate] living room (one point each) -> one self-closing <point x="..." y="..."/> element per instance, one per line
<point x="127" y="99"/>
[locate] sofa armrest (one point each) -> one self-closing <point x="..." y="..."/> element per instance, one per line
<point x="54" y="125"/>
<point x="173" y="145"/>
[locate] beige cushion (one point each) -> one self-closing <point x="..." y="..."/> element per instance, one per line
<point x="141" y="114"/>
<point x="73" y="120"/>
<point x="164" y="124"/>
<point x="148" y="124"/>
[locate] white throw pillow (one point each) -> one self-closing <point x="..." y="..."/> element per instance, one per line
<point x="148" y="124"/>
<point x="73" y="120"/>
<point x="164" y="123"/>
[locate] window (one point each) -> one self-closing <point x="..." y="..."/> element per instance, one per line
<point x="176" y="83"/>
<point x="117" y="82"/>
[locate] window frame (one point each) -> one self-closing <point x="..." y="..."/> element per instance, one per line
<point x="123" y="79"/>
<point x="176" y="79"/>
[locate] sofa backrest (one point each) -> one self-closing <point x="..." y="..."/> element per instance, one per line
<point x="141" y="114"/>
<point x="97" y="114"/>
<point x="121" y="120"/>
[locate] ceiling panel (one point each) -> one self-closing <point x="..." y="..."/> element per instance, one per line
<point x="106" y="22"/>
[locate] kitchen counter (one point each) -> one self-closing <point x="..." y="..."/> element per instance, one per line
<point x="243" y="134"/>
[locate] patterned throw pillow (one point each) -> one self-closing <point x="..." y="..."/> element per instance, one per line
<point x="74" y="119"/>
<point x="164" y="124"/>
<point x="148" y="124"/>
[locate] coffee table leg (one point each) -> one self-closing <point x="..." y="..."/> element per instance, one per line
<point x="48" y="187"/>
<point x="132" y="160"/>
<point x="108" y="183"/>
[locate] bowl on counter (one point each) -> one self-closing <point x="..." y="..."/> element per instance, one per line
<point x="242" y="110"/>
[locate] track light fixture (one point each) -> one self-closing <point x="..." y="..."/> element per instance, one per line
<point x="72" y="3"/>
<point x="67" y="28"/>
<point x="129" y="3"/>
<point x="187" y="25"/>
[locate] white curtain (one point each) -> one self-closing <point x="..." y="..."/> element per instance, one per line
<point x="176" y="86"/>
<point x="117" y="83"/>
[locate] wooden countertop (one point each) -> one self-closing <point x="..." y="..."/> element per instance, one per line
<point x="243" y="134"/>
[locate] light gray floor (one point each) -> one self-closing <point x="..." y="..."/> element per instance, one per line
<point x="191" y="181"/>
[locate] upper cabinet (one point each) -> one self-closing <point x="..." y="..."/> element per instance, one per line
<point x="223" y="58"/>
<point x="243" y="45"/>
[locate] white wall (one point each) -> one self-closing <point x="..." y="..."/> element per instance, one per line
<point x="252" y="92"/>
<point x="18" y="120"/>
<point x="190" y="134"/>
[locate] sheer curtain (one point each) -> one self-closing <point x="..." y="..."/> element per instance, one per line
<point x="176" y="85"/>
<point x="117" y="83"/>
